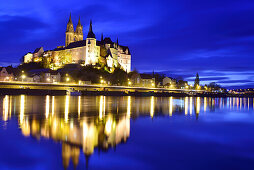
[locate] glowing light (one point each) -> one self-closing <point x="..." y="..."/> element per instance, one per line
<point x="66" y="112"/>
<point x="129" y="106"/>
<point x="22" y="109"/>
<point x="170" y="106"/>
<point x="79" y="105"/>
<point x="190" y="105"/>
<point x="186" y="105"/>
<point x="5" y="107"/>
<point x="152" y="107"/>
<point x="48" y="79"/>
<point x="198" y="105"/>
<point x="67" y="79"/>
<point x="53" y="105"/>
<point x="47" y="106"/>
<point x="205" y="104"/>
<point x="108" y="126"/>
<point x="102" y="107"/>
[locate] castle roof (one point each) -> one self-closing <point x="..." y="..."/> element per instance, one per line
<point x="70" y="25"/>
<point x="90" y="33"/>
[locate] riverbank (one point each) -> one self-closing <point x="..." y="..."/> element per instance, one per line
<point x="43" y="92"/>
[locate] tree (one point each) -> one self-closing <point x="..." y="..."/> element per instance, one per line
<point x="119" y="77"/>
<point x="196" y="81"/>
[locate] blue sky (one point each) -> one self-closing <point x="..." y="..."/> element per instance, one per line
<point x="214" y="38"/>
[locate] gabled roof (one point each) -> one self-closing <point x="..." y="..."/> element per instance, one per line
<point x="37" y="50"/>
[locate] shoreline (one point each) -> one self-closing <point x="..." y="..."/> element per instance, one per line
<point x="43" y="92"/>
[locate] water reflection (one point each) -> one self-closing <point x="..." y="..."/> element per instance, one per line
<point x="83" y="124"/>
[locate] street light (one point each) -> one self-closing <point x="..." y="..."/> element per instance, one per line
<point x="67" y="79"/>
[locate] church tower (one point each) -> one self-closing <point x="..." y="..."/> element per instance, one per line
<point x="69" y="34"/>
<point x="91" y="48"/>
<point x="79" y="32"/>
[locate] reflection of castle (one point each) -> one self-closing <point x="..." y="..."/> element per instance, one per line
<point x="99" y="122"/>
<point x="87" y="134"/>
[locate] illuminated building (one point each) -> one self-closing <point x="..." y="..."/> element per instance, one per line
<point x="78" y="50"/>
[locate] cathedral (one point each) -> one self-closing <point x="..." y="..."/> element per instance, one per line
<point x="88" y="51"/>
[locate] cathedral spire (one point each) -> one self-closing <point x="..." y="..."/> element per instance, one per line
<point x="79" y="23"/>
<point x="70" y="21"/>
<point x="70" y="25"/>
<point x="90" y="33"/>
<point x="90" y="27"/>
<point x="117" y="41"/>
<point x="79" y="28"/>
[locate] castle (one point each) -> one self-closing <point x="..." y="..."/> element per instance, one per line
<point x="86" y="52"/>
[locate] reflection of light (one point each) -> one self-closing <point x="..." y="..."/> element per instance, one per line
<point x="170" y="106"/>
<point x="102" y="106"/>
<point x="186" y="105"/>
<point x="25" y="128"/>
<point x="248" y="103"/>
<point x="22" y="108"/>
<point x="47" y="106"/>
<point x="108" y="126"/>
<point x="240" y="103"/>
<point x="152" y="106"/>
<point x="129" y="106"/>
<point x="205" y="104"/>
<point x="85" y="130"/>
<point x="79" y="103"/>
<point x="198" y="105"/>
<point x="5" y="108"/>
<point x="53" y="105"/>
<point x="190" y="105"/>
<point x="66" y="112"/>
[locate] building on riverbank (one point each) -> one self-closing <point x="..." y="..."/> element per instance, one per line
<point x="88" y="51"/>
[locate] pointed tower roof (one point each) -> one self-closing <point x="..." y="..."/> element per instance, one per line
<point x="79" y="23"/>
<point x="79" y="28"/>
<point x="70" y="25"/>
<point x="90" y="33"/>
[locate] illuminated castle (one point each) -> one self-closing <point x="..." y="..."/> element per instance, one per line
<point x="86" y="52"/>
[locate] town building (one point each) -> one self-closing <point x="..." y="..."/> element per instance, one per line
<point x="5" y="76"/>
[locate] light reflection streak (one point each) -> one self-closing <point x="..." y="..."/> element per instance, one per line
<point x="66" y="112"/>
<point x="5" y="107"/>
<point x="170" y="106"/>
<point x="129" y="106"/>
<point x="198" y="105"/>
<point x="47" y="106"/>
<point x="102" y="107"/>
<point x="22" y="108"/>
<point x="53" y="105"/>
<point x="152" y="106"/>
<point x="190" y="105"/>
<point x="205" y="104"/>
<point x="79" y="106"/>
<point x="186" y="105"/>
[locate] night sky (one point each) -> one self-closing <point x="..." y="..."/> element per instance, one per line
<point x="180" y="38"/>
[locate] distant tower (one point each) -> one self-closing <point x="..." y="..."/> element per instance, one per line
<point x="79" y="32"/>
<point x="69" y="34"/>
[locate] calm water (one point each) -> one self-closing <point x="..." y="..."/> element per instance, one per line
<point x="58" y="132"/>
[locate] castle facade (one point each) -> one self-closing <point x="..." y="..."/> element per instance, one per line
<point x="88" y="51"/>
